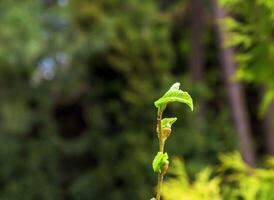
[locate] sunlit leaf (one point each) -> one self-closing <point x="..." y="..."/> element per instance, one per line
<point x="174" y="94"/>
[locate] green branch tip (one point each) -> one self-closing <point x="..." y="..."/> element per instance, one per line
<point x="174" y="94"/>
<point x="160" y="163"/>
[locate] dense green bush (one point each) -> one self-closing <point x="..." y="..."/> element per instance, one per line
<point x="251" y="34"/>
<point x="232" y="179"/>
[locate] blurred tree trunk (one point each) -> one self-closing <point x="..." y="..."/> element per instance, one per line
<point x="269" y="129"/>
<point x="235" y="91"/>
<point x="197" y="48"/>
<point x="196" y="59"/>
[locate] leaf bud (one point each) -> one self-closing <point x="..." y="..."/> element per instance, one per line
<point x="165" y="133"/>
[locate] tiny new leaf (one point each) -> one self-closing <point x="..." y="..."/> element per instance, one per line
<point x="174" y="94"/>
<point x="160" y="160"/>
<point x="167" y="122"/>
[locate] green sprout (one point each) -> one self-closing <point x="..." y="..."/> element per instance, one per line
<point x="160" y="163"/>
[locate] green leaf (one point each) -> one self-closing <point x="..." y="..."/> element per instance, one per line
<point x="174" y="94"/>
<point x="160" y="160"/>
<point x="167" y="122"/>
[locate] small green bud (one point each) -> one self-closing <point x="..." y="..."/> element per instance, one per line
<point x="160" y="162"/>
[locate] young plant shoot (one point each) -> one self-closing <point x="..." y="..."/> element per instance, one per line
<point x="160" y="163"/>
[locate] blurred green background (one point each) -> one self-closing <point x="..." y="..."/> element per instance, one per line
<point x="78" y="79"/>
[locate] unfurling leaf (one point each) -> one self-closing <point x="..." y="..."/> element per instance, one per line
<point x="167" y="122"/>
<point x="174" y="94"/>
<point x="160" y="161"/>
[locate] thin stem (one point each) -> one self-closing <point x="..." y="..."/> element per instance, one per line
<point x="161" y="149"/>
<point x="159" y="124"/>
<point x="159" y="186"/>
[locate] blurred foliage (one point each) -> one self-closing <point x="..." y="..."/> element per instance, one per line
<point x="77" y="84"/>
<point x="252" y="35"/>
<point x="180" y="187"/>
<point x="232" y="179"/>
